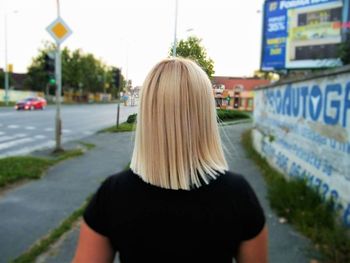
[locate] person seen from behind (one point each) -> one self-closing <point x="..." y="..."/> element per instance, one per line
<point x="178" y="202"/>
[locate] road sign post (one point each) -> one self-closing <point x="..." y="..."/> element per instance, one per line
<point x="59" y="30"/>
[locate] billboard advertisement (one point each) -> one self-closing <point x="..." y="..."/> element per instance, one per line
<point x="301" y="34"/>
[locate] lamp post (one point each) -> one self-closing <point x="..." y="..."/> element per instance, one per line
<point x="6" y="98"/>
<point x="6" y="81"/>
<point x="175" y="29"/>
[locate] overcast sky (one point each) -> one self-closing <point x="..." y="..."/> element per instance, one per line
<point x="135" y="34"/>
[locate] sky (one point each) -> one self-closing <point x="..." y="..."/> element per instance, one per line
<point x="136" y="34"/>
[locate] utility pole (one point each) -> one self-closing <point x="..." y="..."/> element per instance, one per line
<point x="59" y="30"/>
<point x="117" y="79"/>
<point x="58" y="121"/>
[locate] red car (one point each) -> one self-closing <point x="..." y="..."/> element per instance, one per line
<point x="31" y="103"/>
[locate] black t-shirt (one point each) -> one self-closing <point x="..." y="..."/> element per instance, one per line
<point x="146" y="223"/>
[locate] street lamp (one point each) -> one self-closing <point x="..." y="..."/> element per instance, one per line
<point x="175" y="29"/>
<point x="6" y="84"/>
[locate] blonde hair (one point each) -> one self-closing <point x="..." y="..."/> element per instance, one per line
<point x="177" y="141"/>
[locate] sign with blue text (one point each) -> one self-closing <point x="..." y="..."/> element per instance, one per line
<point x="301" y="34"/>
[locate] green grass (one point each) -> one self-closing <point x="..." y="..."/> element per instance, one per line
<point x="123" y="127"/>
<point x="14" y="169"/>
<point x="303" y="207"/>
<point x="88" y="146"/>
<point x="43" y="245"/>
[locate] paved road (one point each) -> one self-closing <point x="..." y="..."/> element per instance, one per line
<point x="24" y="131"/>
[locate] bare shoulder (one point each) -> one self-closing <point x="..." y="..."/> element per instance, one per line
<point x="92" y="247"/>
<point x="254" y="250"/>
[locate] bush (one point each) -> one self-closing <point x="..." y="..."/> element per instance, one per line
<point x="231" y="115"/>
<point x="132" y="118"/>
<point x="223" y="115"/>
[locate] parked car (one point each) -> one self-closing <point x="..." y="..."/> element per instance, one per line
<point x="31" y="103"/>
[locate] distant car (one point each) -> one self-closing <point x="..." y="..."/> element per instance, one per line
<point x="32" y="103"/>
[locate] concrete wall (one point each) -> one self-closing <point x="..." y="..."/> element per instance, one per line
<point x="302" y="127"/>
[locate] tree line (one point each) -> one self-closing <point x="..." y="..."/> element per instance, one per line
<point x="81" y="72"/>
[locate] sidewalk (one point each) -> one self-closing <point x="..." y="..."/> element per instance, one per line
<point x="32" y="210"/>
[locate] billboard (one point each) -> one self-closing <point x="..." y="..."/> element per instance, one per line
<point x="301" y="34"/>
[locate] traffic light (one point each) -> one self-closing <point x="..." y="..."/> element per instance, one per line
<point x="49" y="67"/>
<point x="116" y="77"/>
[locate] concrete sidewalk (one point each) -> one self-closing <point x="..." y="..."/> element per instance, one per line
<point x="32" y="210"/>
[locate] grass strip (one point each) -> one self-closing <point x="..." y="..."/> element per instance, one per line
<point x="303" y="207"/>
<point x="43" y="244"/>
<point x="14" y="169"/>
<point x="123" y="127"/>
<point x="88" y="146"/>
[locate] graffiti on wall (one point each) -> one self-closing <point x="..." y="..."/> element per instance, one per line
<point x="310" y="125"/>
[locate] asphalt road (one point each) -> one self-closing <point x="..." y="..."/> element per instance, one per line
<point x="22" y="132"/>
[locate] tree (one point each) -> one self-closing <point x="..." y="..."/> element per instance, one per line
<point x="192" y="48"/>
<point x="2" y="79"/>
<point x="37" y="78"/>
<point x="80" y="71"/>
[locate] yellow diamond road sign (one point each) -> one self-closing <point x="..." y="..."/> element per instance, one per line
<point x="59" y="30"/>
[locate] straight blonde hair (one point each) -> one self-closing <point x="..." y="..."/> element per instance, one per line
<point x="177" y="141"/>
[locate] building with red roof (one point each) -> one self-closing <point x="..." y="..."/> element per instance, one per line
<point x="236" y="92"/>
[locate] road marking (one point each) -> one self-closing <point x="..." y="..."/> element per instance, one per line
<point x="88" y="132"/>
<point x="48" y="129"/>
<point x="26" y="150"/>
<point x="2" y="133"/>
<point x="40" y="136"/>
<point x="13" y="126"/>
<point x="8" y="138"/>
<point x="30" y="128"/>
<point x="15" y="143"/>
<point x="66" y="131"/>
<point x="18" y="135"/>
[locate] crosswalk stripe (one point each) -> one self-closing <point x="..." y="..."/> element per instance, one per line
<point x="15" y="143"/>
<point x="5" y="138"/>
<point x="2" y="133"/>
<point x="15" y="136"/>
<point x="13" y="126"/>
<point x="40" y="136"/>
<point x="48" y="129"/>
<point x="30" y="128"/>
<point x="29" y="149"/>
